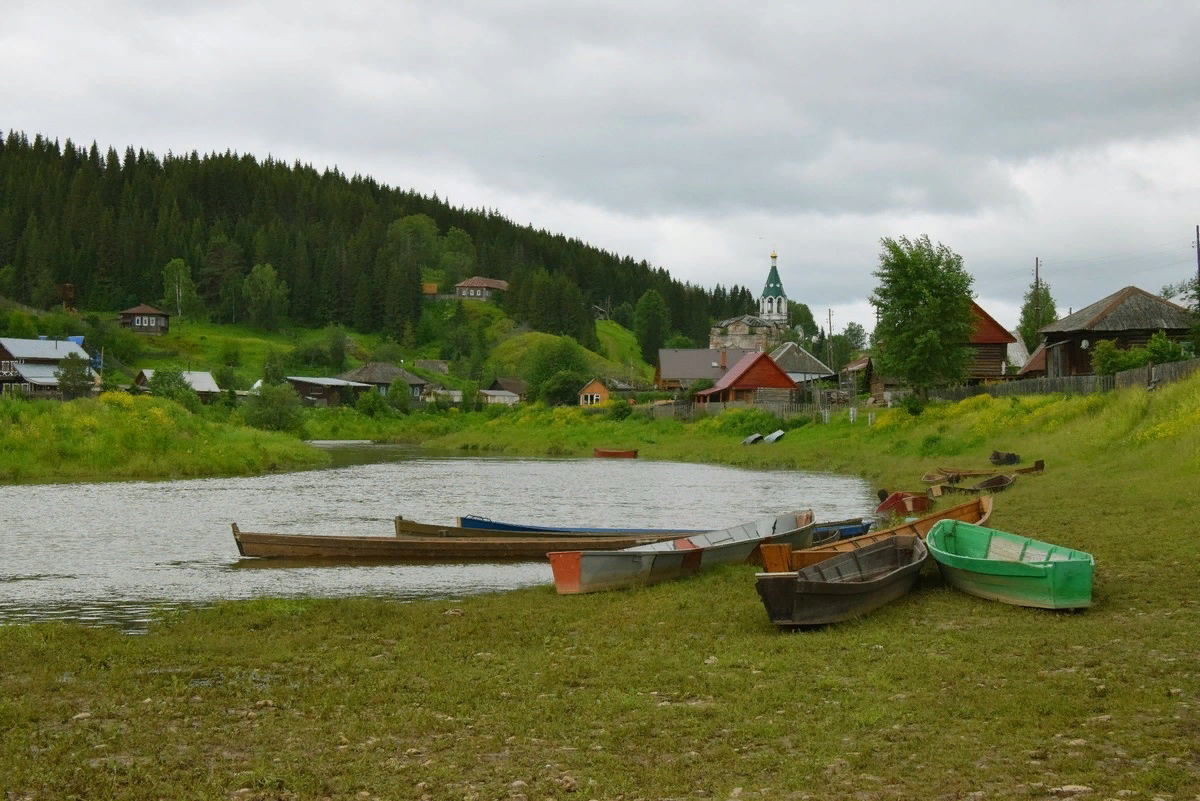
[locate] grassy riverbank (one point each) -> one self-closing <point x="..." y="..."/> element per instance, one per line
<point x="120" y="436"/>
<point x="681" y="690"/>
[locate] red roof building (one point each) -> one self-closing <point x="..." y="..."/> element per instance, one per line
<point x="753" y="372"/>
<point x="989" y="341"/>
<point x="480" y="288"/>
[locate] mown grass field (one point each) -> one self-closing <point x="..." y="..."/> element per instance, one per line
<point x="681" y="690"/>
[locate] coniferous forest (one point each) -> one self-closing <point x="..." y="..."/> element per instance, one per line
<point x="342" y="250"/>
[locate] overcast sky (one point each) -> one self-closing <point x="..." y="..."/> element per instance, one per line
<point x="695" y="135"/>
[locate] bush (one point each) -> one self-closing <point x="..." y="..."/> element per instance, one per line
<point x="276" y="407"/>
<point x="913" y="403"/>
<point x="562" y="388"/>
<point x="169" y="383"/>
<point x="372" y="404"/>
<point x="399" y="395"/>
<point x="619" y="409"/>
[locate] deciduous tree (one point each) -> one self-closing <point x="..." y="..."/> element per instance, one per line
<point x="925" y="321"/>
<point x="1037" y="310"/>
<point x="266" y="297"/>
<point x="651" y="322"/>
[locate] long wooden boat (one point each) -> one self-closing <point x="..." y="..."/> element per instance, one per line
<point x="993" y="484"/>
<point x="578" y="571"/>
<point x="1011" y="568"/>
<point x="903" y="503"/>
<point x="481" y="525"/>
<point x="414" y="548"/>
<point x="848" y="585"/>
<point x="785" y="559"/>
<point x="951" y="472"/>
<point x="609" y="453"/>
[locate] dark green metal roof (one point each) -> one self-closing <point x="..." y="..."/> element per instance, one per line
<point x="774" y="287"/>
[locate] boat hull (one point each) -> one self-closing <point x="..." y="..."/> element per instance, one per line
<point x="1010" y="568"/>
<point x="418" y="548"/>
<point x="904" y="503"/>
<point x="579" y="571"/>
<point x="608" y="453"/>
<point x="849" y="585"/>
<point x="472" y="525"/>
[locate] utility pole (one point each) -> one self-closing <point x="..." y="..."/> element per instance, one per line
<point x="1037" y="294"/>
<point x="1198" y="263"/>
<point x="829" y="341"/>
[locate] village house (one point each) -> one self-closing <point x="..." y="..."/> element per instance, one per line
<point x="146" y="320"/>
<point x="320" y="391"/>
<point x="500" y="396"/>
<point x="29" y="365"/>
<point x="202" y="383"/>
<point x="516" y="386"/>
<point x="381" y="375"/>
<point x="480" y="288"/>
<point x="679" y="368"/>
<point x="594" y="393"/>
<point x="1129" y="317"/>
<point x="989" y="348"/>
<point x="799" y="364"/>
<point x="743" y="381"/>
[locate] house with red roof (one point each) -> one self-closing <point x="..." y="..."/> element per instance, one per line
<point x="753" y="372"/>
<point x="145" y="319"/>
<point x="989" y="343"/>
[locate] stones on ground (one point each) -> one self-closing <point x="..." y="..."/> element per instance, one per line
<point x="712" y="660"/>
<point x="453" y="612"/>
<point x="82" y="716"/>
<point x="1068" y="790"/>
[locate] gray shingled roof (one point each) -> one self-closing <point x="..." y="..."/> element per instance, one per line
<point x="382" y="374"/>
<point x="42" y="349"/>
<point x="794" y="359"/>
<point x="752" y="320"/>
<point x="690" y="364"/>
<point x="1130" y="309"/>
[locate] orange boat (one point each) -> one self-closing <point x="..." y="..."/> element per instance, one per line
<point x="608" y="453"/>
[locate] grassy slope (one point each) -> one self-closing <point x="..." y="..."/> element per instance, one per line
<point x="683" y="690"/>
<point x="620" y="345"/>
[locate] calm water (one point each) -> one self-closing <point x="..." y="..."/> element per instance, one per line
<point x="111" y="553"/>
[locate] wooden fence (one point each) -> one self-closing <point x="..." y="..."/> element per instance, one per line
<point x="1149" y="376"/>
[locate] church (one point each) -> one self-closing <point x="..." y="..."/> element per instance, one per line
<point x="756" y="332"/>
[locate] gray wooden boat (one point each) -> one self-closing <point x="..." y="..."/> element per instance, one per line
<point x="580" y="571"/>
<point x="753" y="438"/>
<point x="849" y="585"/>
<point x="774" y="436"/>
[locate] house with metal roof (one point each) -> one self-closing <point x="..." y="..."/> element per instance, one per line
<point x="679" y="368"/>
<point x="201" y="382"/>
<point x="516" y="386"/>
<point x="30" y="365"/>
<point x="799" y="364"/>
<point x="322" y="391"/>
<point x="753" y="372"/>
<point x="1129" y="317"/>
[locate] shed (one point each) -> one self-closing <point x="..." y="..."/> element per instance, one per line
<point x="145" y="319"/>
<point x="500" y="396"/>
<point x="1129" y="317"/>
<point x="679" y="368"/>
<point x="1035" y="366"/>
<point x="862" y="375"/>
<point x="595" y="393"/>
<point x="321" y="391"/>
<point x="753" y="372"/>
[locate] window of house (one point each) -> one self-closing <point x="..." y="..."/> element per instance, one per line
<point x="137" y="321"/>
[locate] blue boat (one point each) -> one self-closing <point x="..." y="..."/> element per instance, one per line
<point x="477" y="523"/>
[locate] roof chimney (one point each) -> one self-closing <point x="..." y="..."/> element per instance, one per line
<point x="722" y="358"/>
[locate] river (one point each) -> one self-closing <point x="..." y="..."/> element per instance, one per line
<point x="112" y="553"/>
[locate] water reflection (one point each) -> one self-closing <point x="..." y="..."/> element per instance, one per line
<point x="112" y="553"/>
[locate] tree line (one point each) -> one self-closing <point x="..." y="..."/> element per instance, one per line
<point x="239" y="239"/>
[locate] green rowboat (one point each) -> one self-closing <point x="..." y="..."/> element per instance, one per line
<point x="1011" y="568"/>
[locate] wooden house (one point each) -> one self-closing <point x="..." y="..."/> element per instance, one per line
<point x="1035" y="366"/>
<point x="799" y="364"/>
<point x="516" y="386"/>
<point x="679" y="368"/>
<point x="753" y="372"/>
<point x="202" y="383"/>
<point x="1128" y="317"/>
<point x="860" y="375"/>
<point x="500" y="396"/>
<point x="480" y="288"/>
<point x="30" y="365"/>
<point x="381" y="375"/>
<point x="321" y="391"/>
<point x="989" y="345"/>
<point x="595" y="393"/>
<point x="146" y="320"/>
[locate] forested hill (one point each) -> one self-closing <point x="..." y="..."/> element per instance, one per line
<point x="350" y="250"/>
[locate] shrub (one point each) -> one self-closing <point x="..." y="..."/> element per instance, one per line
<point x="276" y="407"/>
<point x="169" y="383"/>
<point x="399" y="395"/>
<point x="619" y="409"/>
<point x="372" y="404"/>
<point x="913" y="403"/>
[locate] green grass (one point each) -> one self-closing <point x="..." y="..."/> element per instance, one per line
<point x="620" y="346"/>
<point x="123" y="436"/>
<point x="681" y="690"/>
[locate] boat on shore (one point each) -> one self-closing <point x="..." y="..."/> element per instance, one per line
<point x="851" y="584"/>
<point x="993" y="484"/>
<point x="579" y="571"/>
<point x="902" y="503"/>
<point x="418" y="548"/>
<point x="474" y="525"/>
<point x="954" y="474"/>
<point x="611" y="453"/>
<point x="841" y="529"/>
<point x="1011" y="568"/>
<point x="786" y="559"/>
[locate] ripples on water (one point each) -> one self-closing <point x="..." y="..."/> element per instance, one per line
<point x="113" y="553"/>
